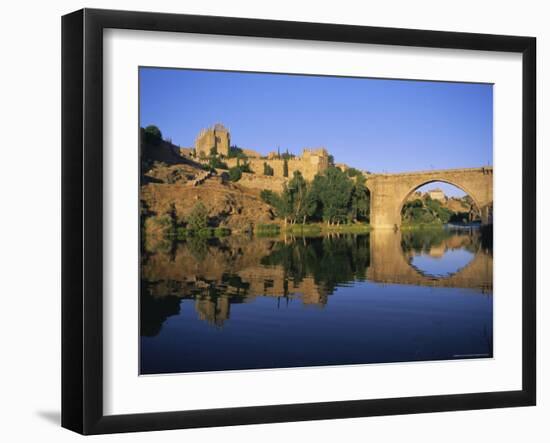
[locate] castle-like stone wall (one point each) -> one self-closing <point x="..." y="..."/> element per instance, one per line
<point x="312" y="162"/>
<point x="436" y="194"/>
<point x="309" y="164"/>
<point x="261" y="182"/>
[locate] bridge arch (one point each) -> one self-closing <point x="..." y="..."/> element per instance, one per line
<point x="390" y="191"/>
<point x="436" y="180"/>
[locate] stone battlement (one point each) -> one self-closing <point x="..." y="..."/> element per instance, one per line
<point x="312" y="162"/>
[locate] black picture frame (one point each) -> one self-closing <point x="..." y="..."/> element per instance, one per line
<point x="82" y="217"/>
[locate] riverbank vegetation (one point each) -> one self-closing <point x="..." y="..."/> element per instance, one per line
<point x="431" y="212"/>
<point x="334" y="198"/>
<point x="425" y="211"/>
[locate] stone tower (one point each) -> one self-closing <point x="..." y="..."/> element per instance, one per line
<point x="314" y="161"/>
<point x="216" y="137"/>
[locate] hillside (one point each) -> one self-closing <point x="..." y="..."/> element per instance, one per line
<point x="173" y="184"/>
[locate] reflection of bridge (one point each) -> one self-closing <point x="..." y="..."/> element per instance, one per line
<point x="389" y="264"/>
<point x="390" y="191"/>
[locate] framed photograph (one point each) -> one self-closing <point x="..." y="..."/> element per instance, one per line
<point x="269" y="221"/>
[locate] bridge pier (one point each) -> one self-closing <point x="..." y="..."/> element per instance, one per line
<point x="384" y="214"/>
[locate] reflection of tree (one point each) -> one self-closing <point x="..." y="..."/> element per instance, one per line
<point x="422" y="240"/>
<point x="329" y="260"/>
<point x="154" y="311"/>
<point x="235" y="281"/>
<point x="198" y="246"/>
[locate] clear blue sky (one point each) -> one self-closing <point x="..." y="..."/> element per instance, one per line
<point x="371" y="124"/>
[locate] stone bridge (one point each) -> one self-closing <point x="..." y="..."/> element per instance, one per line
<point x="389" y="192"/>
<point x="390" y="264"/>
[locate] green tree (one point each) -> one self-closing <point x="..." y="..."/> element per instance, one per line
<point x="360" y="199"/>
<point x="281" y="203"/>
<point x="311" y="204"/>
<point x="246" y="167"/>
<point x="285" y="168"/>
<point x="352" y="172"/>
<point x="427" y="210"/>
<point x="297" y="189"/>
<point x="214" y="160"/>
<point x="152" y="135"/>
<point x="268" y="170"/>
<point x="333" y="189"/>
<point x="236" y="152"/>
<point x="198" y="218"/>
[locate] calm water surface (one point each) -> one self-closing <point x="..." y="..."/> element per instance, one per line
<point x="248" y="303"/>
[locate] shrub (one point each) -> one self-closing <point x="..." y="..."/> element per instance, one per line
<point x="205" y="232"/>
<point x="216" y="163"/>
<point x="235" y="173"/>
<point x="236" y="152"/>
<point x="267" y="229"/>
<point x="221" y="232"/>
<point x="304" y="229"/>
<point x="198" y="218"/>
<point x="183" y="233"/>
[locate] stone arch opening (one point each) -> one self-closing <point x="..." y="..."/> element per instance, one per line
<point x="438" y="200"/>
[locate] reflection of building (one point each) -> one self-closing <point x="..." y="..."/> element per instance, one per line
<point x="438" y="250"/>
<point x="272" y="281"/>
<point x="436" y="194"/>
<point x="216" y="139"/>
<point x="214" y="310"/>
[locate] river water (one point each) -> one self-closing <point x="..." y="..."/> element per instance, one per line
<point x="250" y="302"/>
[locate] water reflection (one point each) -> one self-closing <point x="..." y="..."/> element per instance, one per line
<point x="462" y="259"/>
<point x="199" y="283"/>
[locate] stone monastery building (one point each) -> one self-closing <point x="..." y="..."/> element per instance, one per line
<point x="311" y="162"/>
